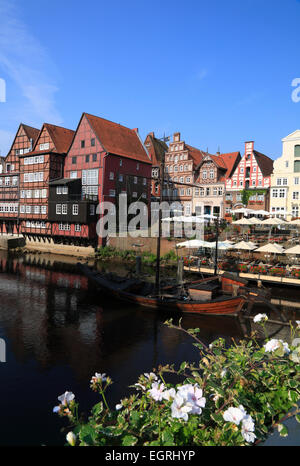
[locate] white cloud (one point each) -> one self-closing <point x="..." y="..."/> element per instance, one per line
<point x="29" y="70"/>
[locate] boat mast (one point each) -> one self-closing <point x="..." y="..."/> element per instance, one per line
<point x="162" y="178"/>
<point x="217" y="239"/>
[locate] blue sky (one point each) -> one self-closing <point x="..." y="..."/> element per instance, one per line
<point x="218" y="72"/>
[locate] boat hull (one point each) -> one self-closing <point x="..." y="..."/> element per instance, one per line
<point x="219" y="306"/>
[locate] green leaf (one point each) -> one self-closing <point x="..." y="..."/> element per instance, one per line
<point x="167" y="438"/>
<point x="297" y="417"/>
<point x="87" y="434"/>
<point x="97" y="409"/>
<point x="129" y="441"/>
<point x="218" y="418"/>
<point x="283" y="431"/>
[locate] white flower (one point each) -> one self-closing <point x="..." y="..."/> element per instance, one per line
<point x="260" y="317"/>
<point x="98" y="378"/>
<point x="298" y="323"/>
<point x="71" y="438"/>
<point x="119" y="406"/>
<point x="224" y="372"/>
<point x="139" y="386"/>
<point x="193" y="395"/>
<point x="234" y="415"/>
<point x="66" y="398"/>
<point x="151" y="376"/>
<point x="274" y="344"/>
<point x="180" y="409"/>
<point x="248" y="429"/>
<point x="156" y="391"/>
<point x="169" y="394"/>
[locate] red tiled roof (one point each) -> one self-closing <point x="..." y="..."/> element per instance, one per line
<point x="32" y="133"/>
<point x="61" y="138"/>
<point x="156" y="148"/>
<point x="117" y="139"/>
<point x="196" y="154"/>
<point x="230" y="159"/>
<point x="264" y="162"/>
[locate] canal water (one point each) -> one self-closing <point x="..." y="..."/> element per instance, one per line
<point x="59" y="330"/>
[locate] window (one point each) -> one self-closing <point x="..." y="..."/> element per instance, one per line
<point x="64" y="209"/>
<point x="112" y="193"/>
<point x="295" y="195"/>
<point x="75" y="209"/>
<point x="297" y="166"/>
<point x="65" y="190"/>
<point x="36" y="193"/>
<point x="43" y="209"/>
<point x="36" y="209"/>
<point x="92" y="209"/>
<point x="297" y="151"/>
<point x="121" y="162"/>
<point x="278" y="182"/>
<point x="211" y="174"/>
<point x="188" y="192"/>
<point x="7" y="181"/>
<point x="207" y="192"/>
<point x="204" y="174"/>
<point x="120" y="177"/>
<point x="93" y="142"/>
<point x="220" y="191"/>
<point x="82" y="144"/>
<point x="87" y="159"/>
<point x="58" y="209"/>
<point x="59" y="190"/>
<point x="22" y="209"/>
<point x="296" y="180"/>
<point x="201" y="191"/>
<point x="137" y="166"/>
<point x="242" y="170"/>
<point x="111" y="175"/>
<point x="188" y="179"/>
<point x="44" y="193"/>
<point x="145" y="181"/>
<point x="74" y="160"/>
<point x="135" y="179"/>
<point x="22" y="194"/>
<point x="77" y="227"/>
<point x="274" y="192"/>
<point x="73" y="174"/>
<point x="94" y="157"/>
<point x="45" y="146"/>
<point x="286" y="164"/>
<point x="215" y="191"/>
<point x="295" y="211"/>
<point x="15" y="181"/>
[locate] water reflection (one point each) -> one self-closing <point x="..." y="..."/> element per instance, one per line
<point x="59" y="331"/>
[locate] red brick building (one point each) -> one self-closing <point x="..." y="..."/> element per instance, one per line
<point x="38" y="168"/>
<point x="181" y="162"/>
<point x="253" y="174"/>
<point x="9" y="178"/>
<point x="110" y="159"/>
<point x="210" y="179"/>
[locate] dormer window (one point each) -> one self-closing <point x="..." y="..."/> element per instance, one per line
<point x="45" y="146"/>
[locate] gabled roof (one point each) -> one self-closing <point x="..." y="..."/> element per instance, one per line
<point x="264" y="162"/>
<point x="61" y="138"/>
<point x="196" y="154"/>
<point x="226" y="162"/>
<point x="31" y="133"/>
<point x="230" y="160"/>
<point x="117" y="139"/>
<point x="157" y="149"/>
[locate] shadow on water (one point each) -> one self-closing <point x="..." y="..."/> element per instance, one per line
<point x="59" y="330"/>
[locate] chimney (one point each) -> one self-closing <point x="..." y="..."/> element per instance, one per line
<point x="176" y="137"/>
<point x="152" y="134"/>
<point x="218" y="153"/>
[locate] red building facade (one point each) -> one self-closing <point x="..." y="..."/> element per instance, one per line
<point x="38" y="168"/>
<point x="10" y="178"/>
<point x="110" y="160"/>
<point x="253" y="174"/>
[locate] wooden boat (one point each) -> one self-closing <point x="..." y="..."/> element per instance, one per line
<point x="214" y="295"/>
